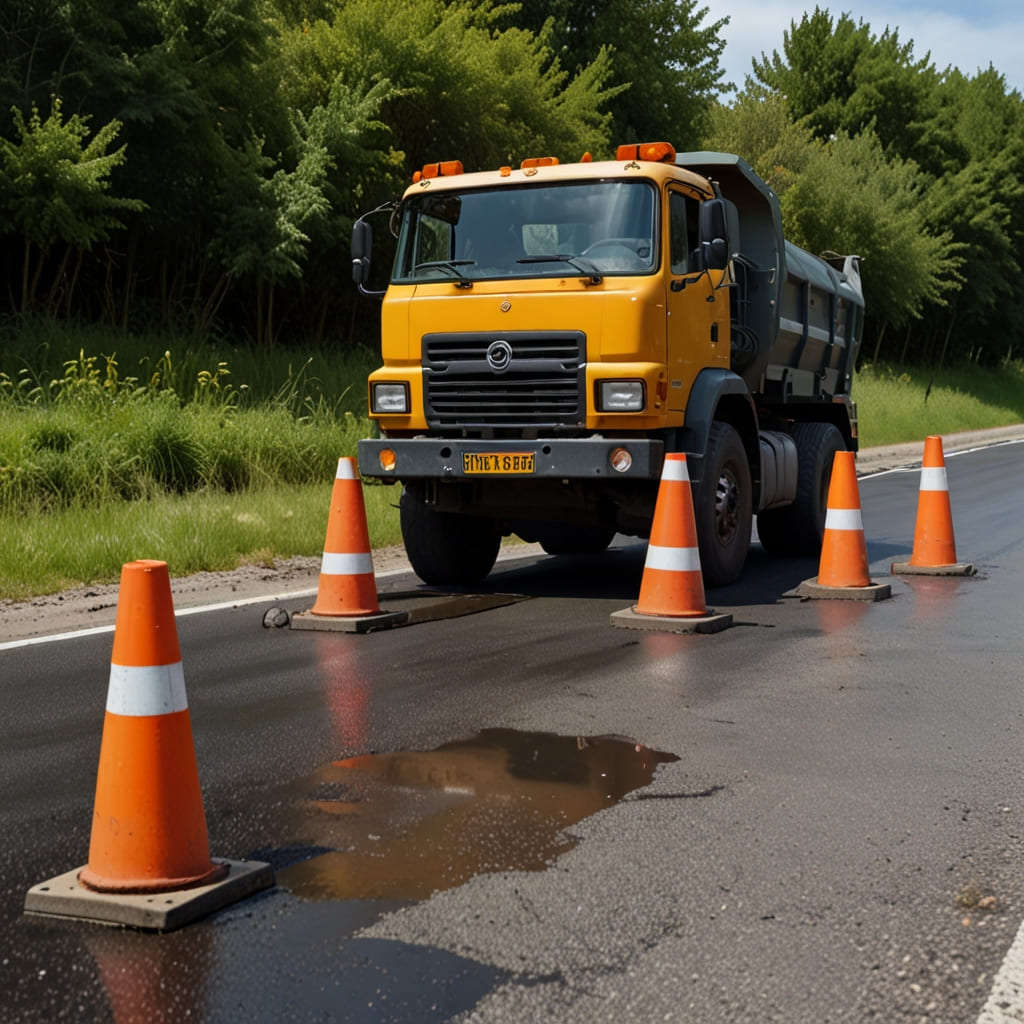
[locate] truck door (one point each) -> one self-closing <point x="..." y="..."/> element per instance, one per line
<point x="697" y="326"/>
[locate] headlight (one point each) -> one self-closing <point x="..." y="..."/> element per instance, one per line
<point x="390" y="398"/>
<point x="620" y="396"/>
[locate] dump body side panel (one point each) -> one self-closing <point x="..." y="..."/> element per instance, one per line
<point x="799" y="316"/>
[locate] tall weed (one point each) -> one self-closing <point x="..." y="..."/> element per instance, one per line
<point x="94" y="434"/>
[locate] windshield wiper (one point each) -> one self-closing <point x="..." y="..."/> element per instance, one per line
<point x="452" y="265"/>
<point x="582" y="265"/>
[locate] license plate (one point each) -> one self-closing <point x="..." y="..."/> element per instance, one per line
<point x="497" y="463"/>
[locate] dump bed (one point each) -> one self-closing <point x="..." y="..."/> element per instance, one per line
<point x="797" y="319"/>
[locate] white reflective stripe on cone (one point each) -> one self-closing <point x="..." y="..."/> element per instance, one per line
<point x="675" y="471"/>
<point x="139" y="690"/>
<point x="346" y="470"/>
<point x="672" y="559"/>
<point x="843" y="519"/>
<point x="336" y="563"/>
<point x="933" y="478"/>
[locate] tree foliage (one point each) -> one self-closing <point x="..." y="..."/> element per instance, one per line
<point x="198" y="163"/>
<point x="665" y="59"/>
<point x="255" y="131"/>
<point x="947" y="255"/>
<point x="852" y="199"/>
<point x="55" y="188"/>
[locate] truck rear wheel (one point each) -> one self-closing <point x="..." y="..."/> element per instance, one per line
<point x="445" y="548"/>
<point x="723" y="507"/>
<point x="798" y="529"/>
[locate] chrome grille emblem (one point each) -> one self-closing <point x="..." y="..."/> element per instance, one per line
<point x="499" y="356"/>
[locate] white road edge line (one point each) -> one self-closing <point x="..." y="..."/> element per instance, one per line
<point x="33" y="641"/>
<point x="1006" y="1001"/>
<point x="916" y="467"/>
<point x="179" y="613"/>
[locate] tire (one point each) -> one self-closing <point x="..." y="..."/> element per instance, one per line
<point x="798" y="529"/>
<point x="445" y="548"/>
<point x="723" y="504"/>
<point x="563" y="539"/>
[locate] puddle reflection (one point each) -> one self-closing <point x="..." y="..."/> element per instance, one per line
<point x="403" y="825"/>
<point x="836" y="616"/>
<point x="934" y="596"/>
<point x="346" y="686"/>
<point x="147" y="981"/>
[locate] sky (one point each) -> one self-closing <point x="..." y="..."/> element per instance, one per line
<point x="967" y="34"/>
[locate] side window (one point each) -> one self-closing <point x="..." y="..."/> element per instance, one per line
<point x="683" y="214"/>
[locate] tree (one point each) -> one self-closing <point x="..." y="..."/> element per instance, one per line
<point x="838" y="76"/>
<point x="979" y="199"/>
<point x="661" y="51"/>
<point x="761" y="129"/>
<point x="55" y="187"/>
<point x="399" y="85"/>
<point x="458" y="84"/>
<point x="851" y="198"/>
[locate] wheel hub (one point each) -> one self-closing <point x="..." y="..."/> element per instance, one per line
<point x="726" y="506"/>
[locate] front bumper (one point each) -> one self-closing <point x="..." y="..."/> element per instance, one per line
<point x="420" y="458"/>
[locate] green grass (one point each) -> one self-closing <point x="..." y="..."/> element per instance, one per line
<point x="201" y="531"/>
<point x="205" y="459"/>
<point x="894" y="406"/>
<point x="34" y="353"/>
<point x="113" y="450"/>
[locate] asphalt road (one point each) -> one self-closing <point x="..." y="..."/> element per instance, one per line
<point x="834" y="830"/>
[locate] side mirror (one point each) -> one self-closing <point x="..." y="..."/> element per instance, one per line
<point x="714" y="234"/>
<point x="716" y="255"/>
<point x="362" y="244"/>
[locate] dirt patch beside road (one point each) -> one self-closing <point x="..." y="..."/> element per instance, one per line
<point x="92" y="606"/>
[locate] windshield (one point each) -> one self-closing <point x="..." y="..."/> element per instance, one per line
<point x="598" y="228"/>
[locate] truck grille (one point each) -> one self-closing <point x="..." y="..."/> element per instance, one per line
<point x="504" y="380"/>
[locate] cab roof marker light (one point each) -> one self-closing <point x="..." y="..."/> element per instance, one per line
<point x="538" y="161"/>
<point x="657" y="152"/>
<point x="444" y="169"/>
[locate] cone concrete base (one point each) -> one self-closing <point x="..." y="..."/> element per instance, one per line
<point x="630" y="618"/>
<point x="953" y="569"/>
<point x="816" y="591"/>
<point x="66" y="897"/>
<point x="348" y="623"/>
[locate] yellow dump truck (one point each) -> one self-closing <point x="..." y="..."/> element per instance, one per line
<point x="550" y="331"/>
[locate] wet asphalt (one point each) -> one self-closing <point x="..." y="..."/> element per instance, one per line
<point x="524" y="814"/>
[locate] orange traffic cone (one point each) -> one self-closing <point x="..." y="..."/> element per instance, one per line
<point x="149" y="827"/>
<point x="347" y="583"/>
<point x="672" y="588"/>
<point x="934" y="547"/>
<point x="346" y="597"/>
<point x="844" y="551"/>
<point x="843" y="568"/>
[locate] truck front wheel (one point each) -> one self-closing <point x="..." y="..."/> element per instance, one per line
<point x="723" y="506"/>
<point x="445" y="548"/>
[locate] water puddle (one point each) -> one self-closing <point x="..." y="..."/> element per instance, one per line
<point x="402" y="826"/>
